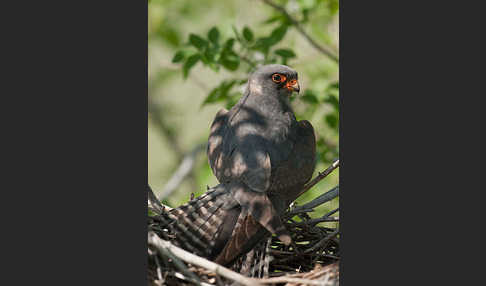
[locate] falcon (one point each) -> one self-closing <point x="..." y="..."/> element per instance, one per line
<point x="263" y="157"/>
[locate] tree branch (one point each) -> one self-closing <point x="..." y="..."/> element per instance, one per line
<point x="185" y="169"/>
<point x="323" y="49"/>
<point x="327" y="196"/>
<point x="286" y="279"/>
<point x="153" y="203"/>
<point x="319" y="177"/>
<point x="165" y="246"/>
<point x="165" y="129"/>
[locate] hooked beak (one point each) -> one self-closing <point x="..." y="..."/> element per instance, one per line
<point x="293" y="85"/>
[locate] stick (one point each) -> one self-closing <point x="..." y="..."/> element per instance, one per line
<point x="324" y="50"/>
<point x="284" y="279"/>
<point x="188" y="257"/>
<point x="182" y="172"/>
<point x="153" y="203"/>
<point x="319" y="177"/>
<point x="327" y="196"/>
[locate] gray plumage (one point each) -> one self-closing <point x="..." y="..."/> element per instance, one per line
<point x="262" y="157"/>
<point x="262" y="152"/>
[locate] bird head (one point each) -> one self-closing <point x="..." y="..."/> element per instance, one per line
<point x="274" y="79"/>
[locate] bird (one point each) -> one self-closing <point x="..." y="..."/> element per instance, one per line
<point x="262" y="156"/>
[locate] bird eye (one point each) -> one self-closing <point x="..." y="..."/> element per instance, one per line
<point x="278" y="78"/>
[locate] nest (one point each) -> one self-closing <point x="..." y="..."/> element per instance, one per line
<point x="311" y="259"/>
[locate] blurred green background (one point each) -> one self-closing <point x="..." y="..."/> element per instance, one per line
<point x="200" y="53"/>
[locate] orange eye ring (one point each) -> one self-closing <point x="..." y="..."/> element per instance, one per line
<point x="278" y="78"/>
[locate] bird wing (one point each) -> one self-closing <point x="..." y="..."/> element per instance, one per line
<point x="250" y="163"/>
<point x="290" y="175"/>
<point x="286" y="182"/>
<point x="204" y="224"/>
<point x="237" y="152"/>
<point x="215" y="143"/>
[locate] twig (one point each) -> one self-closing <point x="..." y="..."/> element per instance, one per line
<point x="153" y="203"/>
<point x="163" y="245"/>
<point x="182" y="172"/>
<point x="314" y="221"/>
<point x="267" y="257"/>
<point x="325" y="50"/>
<point x="248" y="61"/>
<point x="321" y="176"/>
<point x="285" y="279"/>
<point x="327" y="196"/>
<point x="321" y="243"/>
<point x="181" y="276"/>
<point x="178" y="263"/>
<point x="159" y="272"/>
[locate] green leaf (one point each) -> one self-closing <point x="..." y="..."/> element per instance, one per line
<point x="285" y="53"/>
<point x="220" y="93"/>
<point x="275" y="37"/>
<point x="232" y="100"/>
<point x="190" y="62"/>
<point x="278" y="34"/>
<point x="228" y="45"/>
<point x="242" y="81"/>
<point x="230" y="61"/>
<point x="213" y="96"/>
<point x="247" y="34"/>
<point x="209" y="55"/>
<point x="332" y="120"/>
<point x="334" y="85"/>
<point x="272" y="19"/>
<point x="214" y="66"/>
<point x="197" y="41"/>
<point x="332" y="100"/>
<point x="334" y="6"/>
<point x="305" y="14"/>
<point x="169" y="34"/>
<point x="310" y="97"/>
<point x="213" y="35"/>
<point x="178" y="57"/>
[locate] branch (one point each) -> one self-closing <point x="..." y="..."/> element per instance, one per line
<point x="319" y="177"/>
<point x="185" y="168"/>
<point x="286" y="279"/>
<point x="324" y="50"/>
<point x="327" y="196"/>
<point x="331" y="194"/>
<point x="314" y="221"/>
<point x="164" y="246"/>
<point x="153" y="203"/>
<point x="178" y="263"/>
<point x="321" y="243"/>
<point x="157" y="111"/>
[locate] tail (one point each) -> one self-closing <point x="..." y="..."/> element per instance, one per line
<point x="247" y="233"/>
<point x="216" y="226"/>
<point x="249" y="230"/>
<point x="204" y="224"/>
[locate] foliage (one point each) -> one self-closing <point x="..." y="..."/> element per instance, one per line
<point x="215" y="52"/>
<point x="232" y="50"/>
